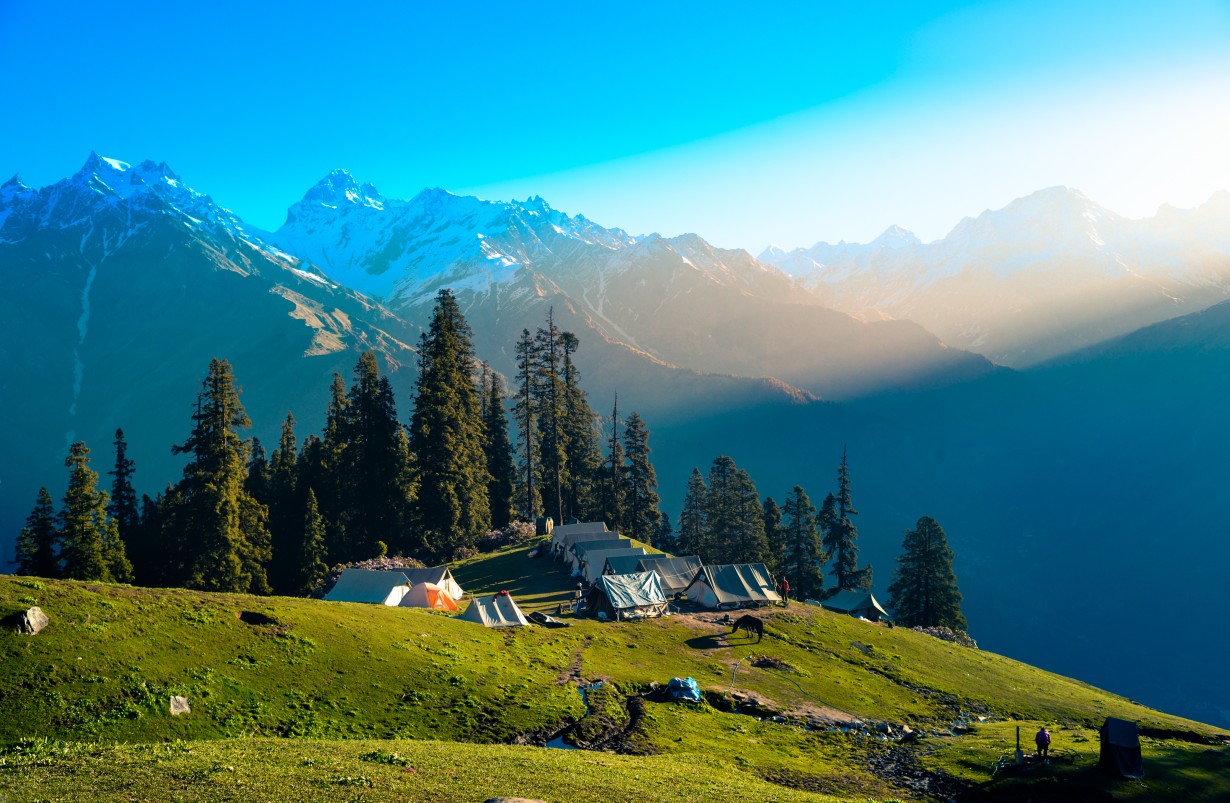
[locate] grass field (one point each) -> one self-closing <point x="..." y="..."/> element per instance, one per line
<point x="290" y="693"/>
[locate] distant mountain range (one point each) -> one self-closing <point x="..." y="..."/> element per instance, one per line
<point x="1048" y="274"/>
<point x="1083" y="487"/>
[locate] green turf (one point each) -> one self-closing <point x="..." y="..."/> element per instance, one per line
<point x="255" y="668"/>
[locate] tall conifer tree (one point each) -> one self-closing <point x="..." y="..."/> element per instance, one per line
<point x="37" y="543"/>
<point x="693" y="529"/>
<point x="582" y="441"/>
<point x="841" y="537"/>
<point x="549" y="387"/>
<point x="226" y="543"/>
<point x="447" y="436"/>
<point x="924" y="589"/>
<point x="775" y="537"/>
<point x="498" y="450"/>
<point x="123" y="506"/>
<point x="91" y="548"/>
<point x="374" y="503"/>
<point x="641" y="514"/>
<point x="803" y="556"/>
<point x="286" y="504"/>
<point x="734" y="515"/>
<point x="615" y="484"/>
<point x="526" y="417"/>
<point x="309" y="563"/>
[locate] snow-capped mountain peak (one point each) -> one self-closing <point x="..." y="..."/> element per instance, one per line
<point x="896" y="237"/>
<point x="340" y="189"/>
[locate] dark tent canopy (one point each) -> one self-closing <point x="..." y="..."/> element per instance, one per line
<point x="1121" y="748"/>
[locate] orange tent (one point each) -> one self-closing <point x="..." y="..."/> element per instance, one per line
<point x="428" y="595"/>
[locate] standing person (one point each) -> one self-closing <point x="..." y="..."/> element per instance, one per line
<point x="783" y="588"/>
<point x="1043" y="740"/>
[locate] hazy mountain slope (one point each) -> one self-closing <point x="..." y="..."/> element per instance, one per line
<point x="1083" y="499"/>
<point x="678" y="301"/>
<point x="1048" y="274"/>
<point x="116" y="300"/>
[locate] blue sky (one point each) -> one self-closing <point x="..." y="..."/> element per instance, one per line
<point x="746" y="123"/>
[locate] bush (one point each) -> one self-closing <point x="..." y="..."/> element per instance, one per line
<point x="516" y="533"/>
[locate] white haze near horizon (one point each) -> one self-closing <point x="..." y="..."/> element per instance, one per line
<point x="893" y="156"/>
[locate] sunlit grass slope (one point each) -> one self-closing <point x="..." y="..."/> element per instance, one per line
<point x="336" y="676"/>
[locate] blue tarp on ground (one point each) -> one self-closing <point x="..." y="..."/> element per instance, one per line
<point x="684" y="689"/>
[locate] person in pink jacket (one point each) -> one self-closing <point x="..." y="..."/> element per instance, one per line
<point x="1043" y="740"/>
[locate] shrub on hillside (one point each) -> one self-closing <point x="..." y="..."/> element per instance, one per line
<point x="515" y="533"/>
<point x="955" y="636"/>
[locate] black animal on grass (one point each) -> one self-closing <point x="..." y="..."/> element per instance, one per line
<point x="749" y="624"/>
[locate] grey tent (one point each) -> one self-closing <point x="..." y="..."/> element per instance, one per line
<point x="577" y="554"/>
<point x="370" y="586"/>
<point x="732" y="585"/>
<point x="563" y="548"/>
<point x="440" y="575"/>
<point x="675" y="574"/>
<point x="498" y="610"/>
<point x="561" y="537"/>
<point x="862" y="604"/>
<point x="1121" y="748"/>
<point x="595" y="560"/>
<point x="626" y="596"/>
<point x="622" y="564"/>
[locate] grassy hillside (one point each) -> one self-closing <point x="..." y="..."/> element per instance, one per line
<point x="335" y="676"/>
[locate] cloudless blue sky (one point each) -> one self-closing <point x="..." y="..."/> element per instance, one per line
<point x="747" y="123"/>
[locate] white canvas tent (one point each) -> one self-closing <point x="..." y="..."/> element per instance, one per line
<point x="370" y="586"/>
<point x="622" y="564"/>
<point x="733" y="585"/>
<point x="862" y="604"/>
<point x="576" y="555"/>
<point x="595" y="561"/>
<point x="428" y="595"/>
<point x="498" y="610"/>
<point x="627" y="596"/>
<point x="675" y="574"/>
<point x="440" y="575"/>
<point x="563" y="536"/>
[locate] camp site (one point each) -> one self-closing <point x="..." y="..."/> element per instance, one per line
<point x="540" y="667"/>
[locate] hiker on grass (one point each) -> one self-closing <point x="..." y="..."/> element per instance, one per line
<point x="1043" y="740"/>
<point x="783" y="588"/>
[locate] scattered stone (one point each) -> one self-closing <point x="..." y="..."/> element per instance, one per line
<point x="861" y="647"/>
<point x="955" y="636"/>
<point x="179" y="705"/>
<point x="31" y="621"/>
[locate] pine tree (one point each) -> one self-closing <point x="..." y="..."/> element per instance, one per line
<point x="665" y="539"/>
<point x="447" y="437"/>
<point x="257" y="482"/>
<point x="525" y="415"/>
<point x="86" y="534"/>
<point x="775" y="537"/>
<point x="285" y="503"/>
<point x="840" y="539"/>
<point x="226" y="543"/>
<point x="581" y="437"/>
<point x="374" y="500"/>
<point x="803" y="557"/>
<point x="498" y="449"/>
<point x="36" y="545"/>
<point x="693" y="529"/>
<point x="323" y="468"/>
<point x="641" y="514"/>
<point x="924" y="589"/>
<point x="734" y="516"/>
<point x="310" y="564"/>
<point x="550" y="404"/>
<point x="152" y="558"/>
<point x="123" y="507"/>
<point x="615" y="477"/>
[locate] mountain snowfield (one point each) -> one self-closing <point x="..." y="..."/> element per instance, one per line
<point x="677" y="302"/>
<point x="1048" y="274"/>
